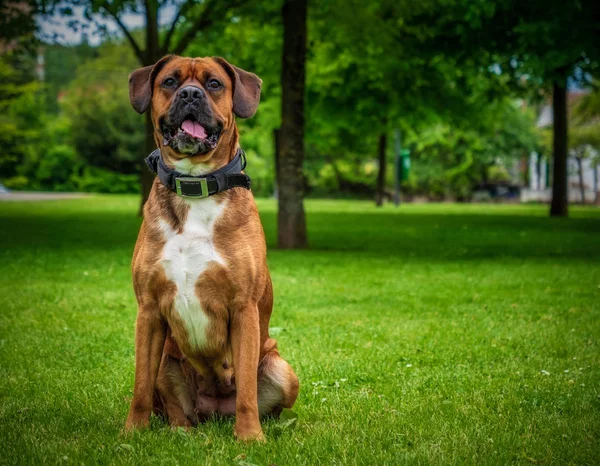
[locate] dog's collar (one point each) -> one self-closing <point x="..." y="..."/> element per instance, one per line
<point x="197" y="187"/>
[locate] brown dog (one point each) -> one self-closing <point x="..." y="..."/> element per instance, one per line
<point x="199" y="267"/>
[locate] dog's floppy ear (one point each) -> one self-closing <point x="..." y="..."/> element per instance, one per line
<point x="246" y="89"/>
<point x="141" y="82"/>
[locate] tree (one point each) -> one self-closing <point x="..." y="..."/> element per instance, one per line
<point x="17" y="83"/>
<point x="381" y="156"/>
<point x="20" y="120"/>
<point x="105" y="133"/>
<point x="291" y="216"/>
<point x="191" y="19"/>
<point x="17" y="26"/>
<point x="61" y="64"/>
<point x="538" y="44"/>
<point x="368" y="76"/>
<point x="452" y="159"/>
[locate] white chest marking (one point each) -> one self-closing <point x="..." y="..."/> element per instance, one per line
<point x="185" y="257"/>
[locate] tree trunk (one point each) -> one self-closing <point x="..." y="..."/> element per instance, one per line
<point x="381" y="147"/>
<point x="538" y="168"/>
<point x="151" y="55"/>
<point x="276" y="132"/>
<point x="146" y="176"/>
<point x="291" y="217"/>
<point x="560" y="204"/>
<point x="581" y="186"/>
<point x="596" y="187"/>
<point x="152" y="40"/>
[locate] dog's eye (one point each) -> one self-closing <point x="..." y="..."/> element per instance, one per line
<point x="169" y="82"/>
<point x="214" y="84"/>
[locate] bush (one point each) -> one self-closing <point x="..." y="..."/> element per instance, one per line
<point x="498" y="173"/>
<point x="98" y="180"/>
<point x="56" y="167"/>
<point x="18" y="183"/>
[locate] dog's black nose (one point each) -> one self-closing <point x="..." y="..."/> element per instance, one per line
<point x="191" y="94"/>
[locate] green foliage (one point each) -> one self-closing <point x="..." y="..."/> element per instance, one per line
<point x="43" y="151"/>
<point x="20" y="117"/>
<point x="372" y="68"/>
<point x="498" y="174"/>
<point x="18" y="183"/>
<point x="451" y="160"/>
<point x="524" y="43"/>
<point x="584" y="124"/>
<point x="98" y="180"/>
<point x="18" y="25"/>
<point x="55" y="166"/>
<point x="379" y="69"/>
<point x="104" y="129"/>
<point x="60" y="68"/>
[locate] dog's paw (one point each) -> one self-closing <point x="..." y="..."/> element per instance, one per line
<point x="136" y="423"/>
<point x="249" y="435"/>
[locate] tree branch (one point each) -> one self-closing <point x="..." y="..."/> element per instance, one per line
<point x="202" y="22"/>
<point x="136" y="48"/>
<point x="205" y="19"/>
<point x="153" y="51"/>
<point x="182" y="11"/>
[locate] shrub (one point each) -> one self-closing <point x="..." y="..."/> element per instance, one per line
<point x="98" y="180"/>
<point x="17" y="183"/>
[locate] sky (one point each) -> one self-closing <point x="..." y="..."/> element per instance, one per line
<point x="58" y="26"/>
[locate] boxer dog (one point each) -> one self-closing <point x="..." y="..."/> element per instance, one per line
<point x="200" y="274"/>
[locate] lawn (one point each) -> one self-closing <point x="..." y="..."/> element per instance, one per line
<point x="431" y="334"/>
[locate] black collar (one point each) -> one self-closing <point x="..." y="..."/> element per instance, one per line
<point x="196" y="187"/>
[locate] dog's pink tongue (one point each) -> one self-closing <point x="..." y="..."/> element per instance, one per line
<point x="194" y="129"/>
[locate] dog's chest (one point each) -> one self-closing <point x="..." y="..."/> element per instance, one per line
<point x="185" y="257"/>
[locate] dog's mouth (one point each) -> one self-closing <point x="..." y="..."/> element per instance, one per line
<point x="190" y="137"/>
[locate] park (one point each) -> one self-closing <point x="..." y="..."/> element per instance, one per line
<point x="426" y="177"/>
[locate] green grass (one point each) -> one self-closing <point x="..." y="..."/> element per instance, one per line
<point x="431" y="334"/>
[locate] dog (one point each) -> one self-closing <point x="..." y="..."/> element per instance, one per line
<point x="200" y="274"/>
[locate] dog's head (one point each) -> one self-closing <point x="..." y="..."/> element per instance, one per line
<point x="193" y="102"/>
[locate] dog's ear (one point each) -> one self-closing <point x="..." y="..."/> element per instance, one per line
<point x="246" y="89"/>
<point x="141" y="82"/>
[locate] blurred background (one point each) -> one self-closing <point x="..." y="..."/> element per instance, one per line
<point x="437" y="100"/>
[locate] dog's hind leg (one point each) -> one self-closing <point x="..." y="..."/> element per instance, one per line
<point x="174" y="392"/>
<point x="277" y="382"/>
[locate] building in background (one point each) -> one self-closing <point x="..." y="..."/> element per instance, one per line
<point x="583" y="174"/>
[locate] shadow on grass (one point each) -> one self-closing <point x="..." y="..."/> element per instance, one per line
<point x="379" y="234"/>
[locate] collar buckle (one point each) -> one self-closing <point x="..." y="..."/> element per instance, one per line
<point x="191" y="187"/>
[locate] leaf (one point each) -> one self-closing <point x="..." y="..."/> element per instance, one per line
<point x="125" y="447"/>
<point x="286" y="424"/>
<point x="182" y="432"/>
<point x="287" y="419"/>
<point x="288" y="414"/>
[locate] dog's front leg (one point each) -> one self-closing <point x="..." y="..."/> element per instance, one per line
<point x="150" y="333"/>
<point x="245" y="342"/>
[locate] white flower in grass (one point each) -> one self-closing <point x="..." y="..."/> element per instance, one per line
<point x="544" y="372"/>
